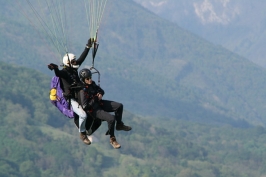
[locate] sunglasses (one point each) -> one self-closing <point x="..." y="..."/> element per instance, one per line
<point x="88" y="78"/>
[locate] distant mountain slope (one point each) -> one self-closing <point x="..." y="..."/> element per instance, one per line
<point x="153" y="67"/>
<point x="237" y="25"/>
<point x="36" y="140"/>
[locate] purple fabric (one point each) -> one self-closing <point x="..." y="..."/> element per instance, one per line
<point x="61" y="103"/>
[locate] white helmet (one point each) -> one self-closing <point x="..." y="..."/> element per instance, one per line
<point x="68" y="58"/>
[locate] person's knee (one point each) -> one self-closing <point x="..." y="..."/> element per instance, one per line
<point x="111" y="119"/>
<point x="82" y="114"/>
<point x="120" y="106"/>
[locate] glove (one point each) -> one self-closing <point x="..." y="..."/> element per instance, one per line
<point x="52" y="66"/>
<point x="90" y="42"/>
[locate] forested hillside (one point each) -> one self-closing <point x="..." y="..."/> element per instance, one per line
<point x="197" y="109"/>
<point x="36" y="140"/>
<point x="154" y="67"/>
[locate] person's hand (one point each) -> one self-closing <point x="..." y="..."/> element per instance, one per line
<point x="100" y="96"/>
<point x="90" y="42"/>
<point x="52" y="66"/>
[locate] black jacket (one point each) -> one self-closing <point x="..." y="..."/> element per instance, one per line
<point x="87" y="96"/>
<point x="69" y="76"/>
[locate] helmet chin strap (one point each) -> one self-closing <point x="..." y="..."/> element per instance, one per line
<point x="69" y="63"/>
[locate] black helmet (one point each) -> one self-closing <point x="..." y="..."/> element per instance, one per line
<point x="84" y="73"/>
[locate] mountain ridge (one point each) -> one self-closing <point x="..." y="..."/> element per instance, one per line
<point x="156" y="68"/>
<point x="237" y="25"/>
<point x="37" y="140"/>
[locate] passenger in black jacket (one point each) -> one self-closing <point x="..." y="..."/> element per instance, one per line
<point x="90" y="98"/>
<point x="69" y="80"/>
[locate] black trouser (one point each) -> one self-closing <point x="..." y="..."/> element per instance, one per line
<point x="103" y="113"/>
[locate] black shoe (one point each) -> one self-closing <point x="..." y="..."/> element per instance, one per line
<point x="121" y="126"/>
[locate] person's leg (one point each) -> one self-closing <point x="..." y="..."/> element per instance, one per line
<point x="103" y="115"/>
<point x="117" y="108"/>
<point x="82" y="121"/>
<point x="81" y="113"/>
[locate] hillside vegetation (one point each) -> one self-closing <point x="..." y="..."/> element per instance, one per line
<point x="36" y="140"/>
<point x="154" y="67"/>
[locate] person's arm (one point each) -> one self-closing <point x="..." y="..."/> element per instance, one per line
<point x="54" y="67"/>
<point x="61" y="73"/>
<point x="100" y="91"/>
<point x="82" y="57"/>
<point x="57" y="72"/>
<point x="84" y="54"/>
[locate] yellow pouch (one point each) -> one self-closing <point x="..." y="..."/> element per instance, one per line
<point x="53" y="94"/>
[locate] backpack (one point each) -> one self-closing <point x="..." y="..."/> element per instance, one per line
<point x="58" y="100"/>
